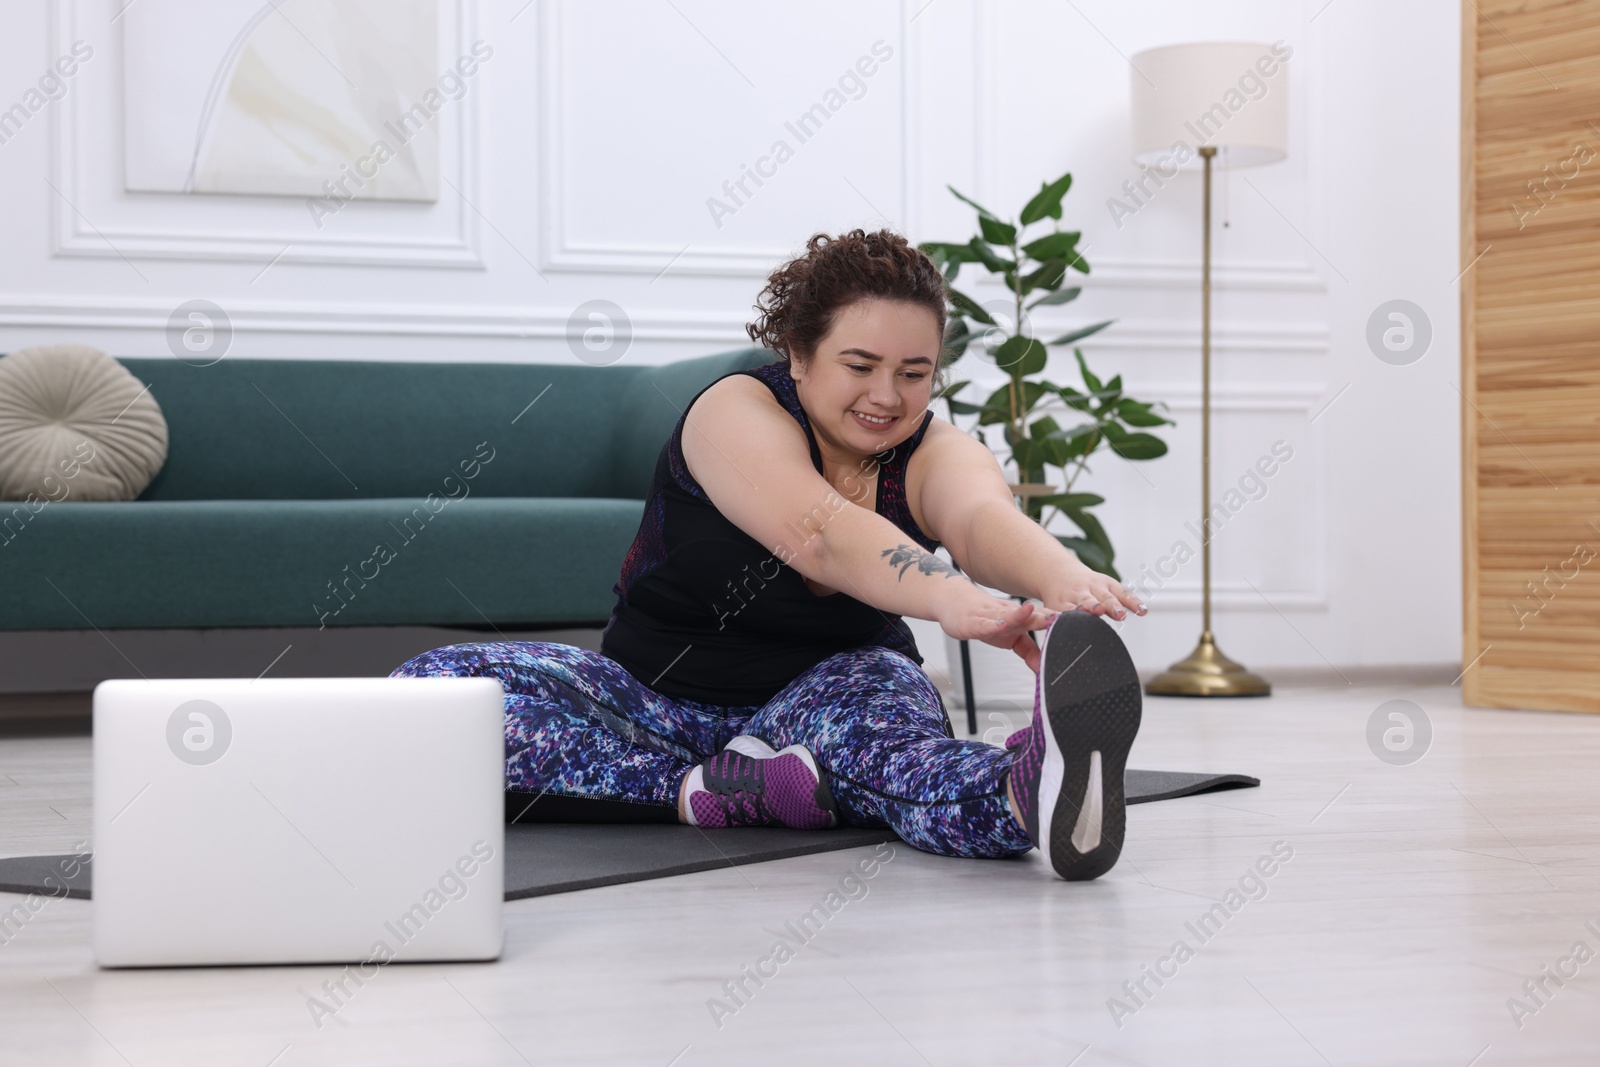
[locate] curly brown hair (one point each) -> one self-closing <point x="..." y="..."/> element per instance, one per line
<point x="803" y="297"/>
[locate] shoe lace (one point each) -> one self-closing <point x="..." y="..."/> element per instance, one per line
<point x="741" y="794"/>
<point x="741" y="807"/>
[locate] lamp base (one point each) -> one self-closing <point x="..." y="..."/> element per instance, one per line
<point x="1206" y="672"/>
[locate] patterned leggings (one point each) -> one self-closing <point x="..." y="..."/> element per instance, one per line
<point x="579" y="725"/>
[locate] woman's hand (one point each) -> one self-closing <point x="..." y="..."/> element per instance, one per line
<point x="1083" y="589"/>
<point x="969" y="614"/>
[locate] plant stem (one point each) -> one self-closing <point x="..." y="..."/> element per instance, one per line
<point x="1016" y="319"/>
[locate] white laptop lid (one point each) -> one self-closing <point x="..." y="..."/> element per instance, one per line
<point x="300" y="820"/>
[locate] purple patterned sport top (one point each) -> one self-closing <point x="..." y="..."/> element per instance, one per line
<point x="704" y="612"/>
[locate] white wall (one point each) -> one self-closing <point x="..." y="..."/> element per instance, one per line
<point x="579" y="164"/>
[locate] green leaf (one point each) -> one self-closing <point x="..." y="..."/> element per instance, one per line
<point x="995" y="231"/>
<point x="1113" y="394"/>
<point x="1135" y="413"/>
<point x="971" y="203"/>
<point x="1046" y="277"/>
<point x="1024" y="355"/>
<point x="1032" y="393"/>
<point x="1058" y="245"/>
<point x="1047" y="201"/>
<point x="950" y="390"/>
<point x="1090" y="554"/>
<point x="1075" y="400"/>
<point x="943" y="252"/>
<point x="997" y="408"/>
<point x="947" y="257"/>
<point x="961" y="407"/>
<point x="1089" y="379"/>
<point x="1043" y="427"/>
<point x="1078" y="263"/>
<point x="970" y="307"/>
<point x="1028" y="455"/>
<point x="1136" y="445"/>
<point x="986" y="256"/>
<point x="1081" y="440"/>
<point x="1078" y="335"/>
<point x="1073" y="500"/>
<point x="1054" y="449"/>
<point x="1093" y="531"/>
<point x="1034" y="360"/>
<point x="1084" y="429"/>
<point x="1021" y="356"/>
<point x="957" y="336"/>
<point x="1060" y="296"/>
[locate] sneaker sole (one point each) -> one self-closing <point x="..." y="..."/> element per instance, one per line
<point x="1090" y="696"/>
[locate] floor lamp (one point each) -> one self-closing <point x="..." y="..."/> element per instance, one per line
<point x="1189" y="102"/>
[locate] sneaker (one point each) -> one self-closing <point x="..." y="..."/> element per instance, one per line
<point x="1067" y="775"/>
<point x="750" y="784"/>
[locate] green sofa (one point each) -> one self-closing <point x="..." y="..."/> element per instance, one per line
<point x="312" y="493"/>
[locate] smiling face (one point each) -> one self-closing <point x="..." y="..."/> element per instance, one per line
<point x="866" y="386"/>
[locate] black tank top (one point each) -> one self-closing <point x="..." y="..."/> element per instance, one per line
<point x="705" y="613"/>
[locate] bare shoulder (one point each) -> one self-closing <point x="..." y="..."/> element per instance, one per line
<point x="737" y="428"/>
<point x="735" y="396"/>
<point x="753" y="462"/>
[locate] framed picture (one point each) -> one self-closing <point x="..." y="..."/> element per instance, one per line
<point x="292" y="98"/>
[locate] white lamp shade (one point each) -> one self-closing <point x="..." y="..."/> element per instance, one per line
<point x="1234" y="95"/>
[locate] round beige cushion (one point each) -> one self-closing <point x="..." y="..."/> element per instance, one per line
<point x="75" y="425"/>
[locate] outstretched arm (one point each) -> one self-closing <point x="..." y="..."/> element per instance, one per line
<point x="969" y="508"/>
<point x="751" y="458"/>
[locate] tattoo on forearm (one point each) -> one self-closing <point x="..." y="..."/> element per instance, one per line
<point x="907" y="556"/>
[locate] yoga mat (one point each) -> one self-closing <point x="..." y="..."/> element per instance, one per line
<point x="1141" y="787"/>
<point x="545" y="858"/>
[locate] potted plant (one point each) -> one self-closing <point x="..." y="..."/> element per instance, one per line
<point x="1034" y="270"/>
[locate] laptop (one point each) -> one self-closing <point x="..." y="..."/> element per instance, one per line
<point x="298" y="820"/>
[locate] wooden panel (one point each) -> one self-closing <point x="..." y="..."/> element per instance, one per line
<point x="1530" y="370"/>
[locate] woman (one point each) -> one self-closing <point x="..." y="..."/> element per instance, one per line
<point x="756" y="669"/>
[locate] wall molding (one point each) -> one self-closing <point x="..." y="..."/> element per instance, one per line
<point x="559" y="253"/>
<point x="73" y="235"/>
<point x="519" y="321"/>
<point x="513" y="322"/>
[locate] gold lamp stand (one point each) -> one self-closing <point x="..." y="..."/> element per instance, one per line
<point x="1206" y="672"/>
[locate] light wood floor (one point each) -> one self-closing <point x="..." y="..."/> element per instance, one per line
<point x="1417" y="902"/>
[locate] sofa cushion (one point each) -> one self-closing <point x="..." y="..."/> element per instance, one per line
<point x="292" y="429"/>
<point x="652" y="403"/>
<point x="74" y="424"/>
<point x="393" y="561"/>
